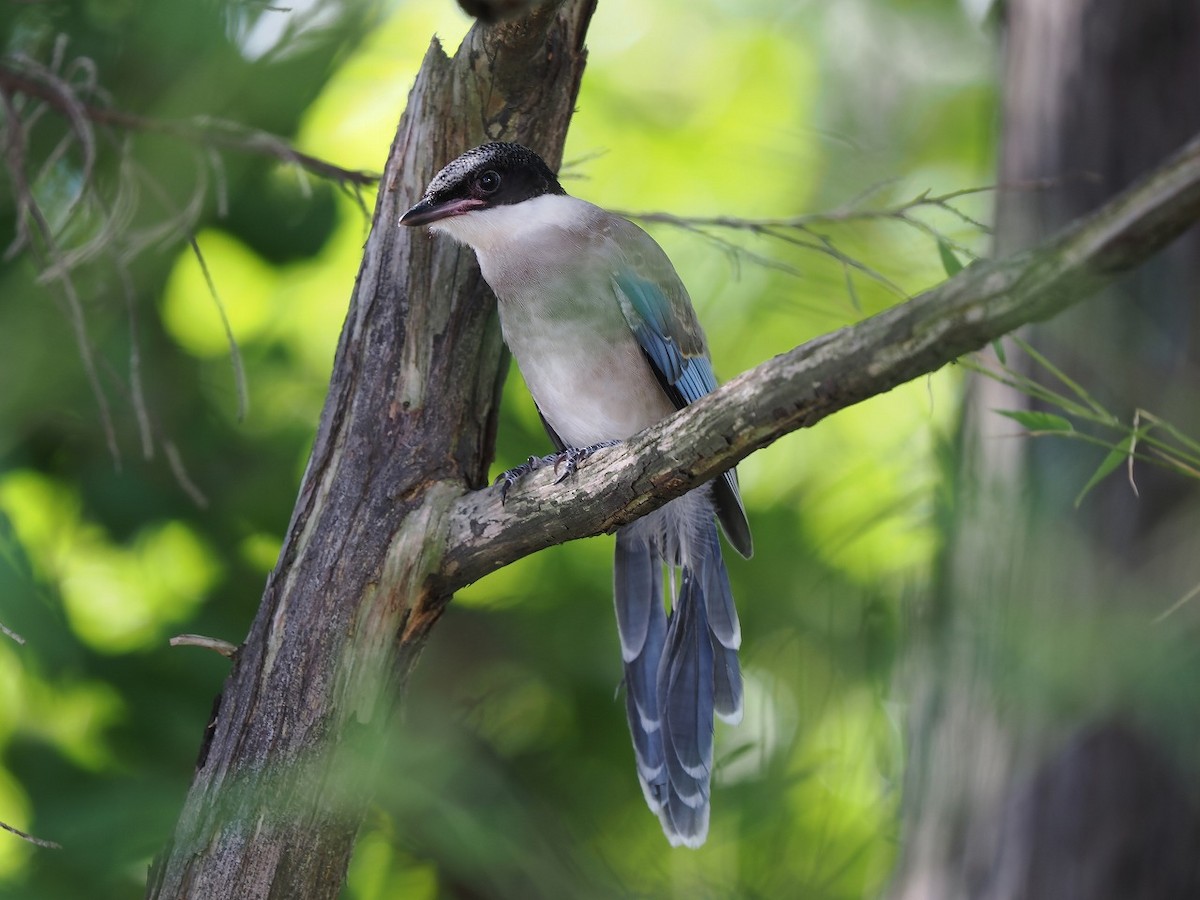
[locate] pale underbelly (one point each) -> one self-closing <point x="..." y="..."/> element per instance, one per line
<point x="591" y="390"/>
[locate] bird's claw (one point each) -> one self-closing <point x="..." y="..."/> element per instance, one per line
<point x="510" y="477"/>
<point x="573" y="456"/>
<point x="569" y="459"/>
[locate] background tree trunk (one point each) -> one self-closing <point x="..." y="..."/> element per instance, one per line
<point x="1038" y="766"/>
<point x="282" y="783"/>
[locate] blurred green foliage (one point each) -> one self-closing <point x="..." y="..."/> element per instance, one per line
<point x="514" y="775"/>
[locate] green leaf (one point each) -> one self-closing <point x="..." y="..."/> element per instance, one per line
<point x="1037" y="421"/>
<point x="1115" y="457"/>
<point x="998" y="346"/>
<point x="949" y="261"/>
<point x="1062" y="376"/>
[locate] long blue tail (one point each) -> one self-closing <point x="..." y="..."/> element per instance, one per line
<point x="679" y="671"/>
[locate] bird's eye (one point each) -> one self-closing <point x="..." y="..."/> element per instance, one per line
<point x="489" y="182"/>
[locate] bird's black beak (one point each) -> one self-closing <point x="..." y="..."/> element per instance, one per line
<point x="430" y="210"/>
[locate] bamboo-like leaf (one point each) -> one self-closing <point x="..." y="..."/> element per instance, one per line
<point x="1025" y="385"/>
<point x="1062" y="376"/>
<point x="1110" y="462"/>
<point x="1037" y="421"/>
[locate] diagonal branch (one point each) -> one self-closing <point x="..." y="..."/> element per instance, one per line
<point x="799" y="388"/>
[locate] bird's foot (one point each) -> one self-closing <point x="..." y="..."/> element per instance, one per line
<point x="509" y="478"/>
<point x="568" y="459"/>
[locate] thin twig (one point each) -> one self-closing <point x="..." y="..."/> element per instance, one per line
<point x="825" y="245"/>
<point x="175" y="461"/>
<point x="136" y="389"/>
<point x="60" y="95"/>
<point x="235" y="354"/>
<point x="1133" y="442"/>
<point x="838" y="216"/>
<point x="225" y="648"/>
<point x="804" y="231"/>
<point x="1177" y="605"/>
<point x="26" y="836"/>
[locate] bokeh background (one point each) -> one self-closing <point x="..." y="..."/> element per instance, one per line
<point x="514" y="766"/>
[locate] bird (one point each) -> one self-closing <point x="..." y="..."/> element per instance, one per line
<point x="608" y="343"/>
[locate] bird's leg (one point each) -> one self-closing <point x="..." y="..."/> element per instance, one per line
<point x="569" y="459"/>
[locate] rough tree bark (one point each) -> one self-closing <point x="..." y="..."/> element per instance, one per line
<point x="408" y="425"/>
<point x="387" y="523"/>
<point x="1009" y="797"/>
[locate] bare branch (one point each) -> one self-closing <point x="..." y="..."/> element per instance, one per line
<point x="137" y="391"/>
<point x="824" y="244"/>
<point x="804" y="230"/>
<point x="235" y="355"/>
<point x="25" y="836"/>
<point x="175" y="461"/>
<point x="1177" y="605"/>
<point x="851" y="212"/>
<point x="224" y="648"/>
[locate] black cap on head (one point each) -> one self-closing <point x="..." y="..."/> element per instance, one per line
<point x="495" y="174"/>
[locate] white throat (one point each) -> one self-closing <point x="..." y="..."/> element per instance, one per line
<point x="491" y="230"/>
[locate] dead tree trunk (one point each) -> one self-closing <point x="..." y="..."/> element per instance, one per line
<point x="282" y="781"/>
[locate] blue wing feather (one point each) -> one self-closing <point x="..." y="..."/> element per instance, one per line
<point x="686" y="369"/>
<point x="660" y="315"/>
<point x="646" y="314"/>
